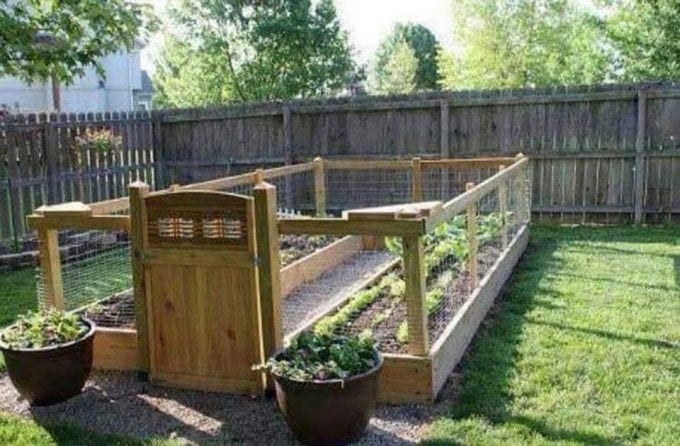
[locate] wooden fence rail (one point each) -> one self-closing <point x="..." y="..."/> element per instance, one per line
<point x="606" y="152"/>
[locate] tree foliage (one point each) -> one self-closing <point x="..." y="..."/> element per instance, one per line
<point x="424" y="46"/>
<point x="645" y="35"/>
<point x="260" y="50"/>
<point x="41" y="39"/>
<point x="399" y="74"/>
<point x="524" y="43"/>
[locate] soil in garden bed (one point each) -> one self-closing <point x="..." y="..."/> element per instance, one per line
<point x="293" y="247"/>
<point x="386" y="313"/>
<point x="117" y="311"/>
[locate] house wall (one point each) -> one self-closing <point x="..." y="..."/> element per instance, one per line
<point x="85" y="94"/>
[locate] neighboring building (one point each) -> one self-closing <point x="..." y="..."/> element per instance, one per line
<point x="89" y="93"/>
<point x="144" y="97"/>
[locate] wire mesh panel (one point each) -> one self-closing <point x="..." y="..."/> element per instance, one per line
<point x="96" y="272"/>
<point x="348" y="189"/>
<point x="444" y="183"/>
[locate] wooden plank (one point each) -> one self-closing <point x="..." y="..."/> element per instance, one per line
<point x="319" y="187"/>
<point x="70" y="209"/>
<point x="195" y="256"/>
<point x="405" y="379"/>
<point x="364" y="164"/>
<point x="416" y="310"/>
<point x="269" y="277"/>
<point x="115" y="349"/>
<point x="465" y="163"/>
<point x="339" y="226"/>
<point x="312" y="266"/>
<point x="394" y="211"/>
<point x="639" y="191"/>
<point x="138" y="243"/>
<point x="451" y="345"/>
<point x="102" y="222"/>
<point x="50" y="268"/>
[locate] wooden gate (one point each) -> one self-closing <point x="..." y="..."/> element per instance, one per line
<point x="198" y="258"/>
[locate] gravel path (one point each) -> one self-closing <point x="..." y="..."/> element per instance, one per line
<point x="118" y="403"/>
<point x="318" y="296"/>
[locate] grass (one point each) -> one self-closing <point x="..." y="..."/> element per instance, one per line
<point x="584" y="348"/>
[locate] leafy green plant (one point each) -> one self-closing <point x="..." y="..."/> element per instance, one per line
<point x="102" y="141"/>
<point x="319" y="357"/>
<point x="43" y="329"/>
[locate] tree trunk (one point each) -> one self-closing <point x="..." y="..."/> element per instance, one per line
<point x="56" y="94"/>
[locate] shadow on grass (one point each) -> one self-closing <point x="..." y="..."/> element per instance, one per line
<point x="489" y="365"/>
<point x="646" y="342"/>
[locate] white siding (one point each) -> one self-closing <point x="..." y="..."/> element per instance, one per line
<point x="87" y="93"/>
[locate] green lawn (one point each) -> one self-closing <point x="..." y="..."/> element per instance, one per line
<point x="584" y="349"/>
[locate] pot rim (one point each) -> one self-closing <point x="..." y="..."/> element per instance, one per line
<point x="342" y="381"/>
<point x="87" y="335"/>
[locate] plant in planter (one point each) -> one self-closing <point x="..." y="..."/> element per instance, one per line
<point x="327" y="386"/>
<point x="48" y="355"/>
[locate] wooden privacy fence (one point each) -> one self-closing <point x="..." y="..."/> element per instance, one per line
<point x="610" y="151"/>
<point x="41" y="163"/>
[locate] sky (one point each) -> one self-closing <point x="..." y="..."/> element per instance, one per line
<point x="367" y="22"/>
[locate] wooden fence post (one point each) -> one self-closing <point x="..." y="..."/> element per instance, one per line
<point x="288" y="152"/>
<point x="138" y="191"/>
<point x="157" y="149"/>
<point x="269" y="278"/>
<point x="444" y="146"/>
<point x="50" y="268"/>
<point x="319" y="187"/>
<point x="416" y="180"/>
<point x="503" y="208"/>
<point x="416" y="308"/>
<point x="52" y="160"/>
<point x="524" y="191"/>
<point x="639" y="197"/>
<point x="471" y="209"/>
<point x="259" y="176"/>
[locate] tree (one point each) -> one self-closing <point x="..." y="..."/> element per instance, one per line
<point x="270" y="49"/>
<point x="399" y="73"/>
<point x="424" y="46"/>
<point x="58" y="40"/>
<point x="645" y="35"/>
<point x="525" y="43"/>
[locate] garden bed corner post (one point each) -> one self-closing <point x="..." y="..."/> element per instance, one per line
<point x="138" y="192"/>
<point x="269" y="268"/>
<point x="503" y="208"/>
<point x="414" y="278"/>
<point x="319" y="187"/>
<point x="416" y="180"/>
<point x="50" y="268"/>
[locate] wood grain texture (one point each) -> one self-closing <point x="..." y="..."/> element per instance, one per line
<point x="416" y="310"/>
<point x="116" y="349"/>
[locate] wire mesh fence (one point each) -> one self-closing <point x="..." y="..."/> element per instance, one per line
<point x="445" y="183"/>
<point x="348" y="188"/>
<point x="96" y="273"/>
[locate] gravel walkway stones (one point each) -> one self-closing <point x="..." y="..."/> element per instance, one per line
<point x="118" y="403"/>
<point x="318" y="296"/>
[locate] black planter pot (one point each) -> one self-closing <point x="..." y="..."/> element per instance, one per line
<point x="329" y="412"/>
<point x="53" y="374"/>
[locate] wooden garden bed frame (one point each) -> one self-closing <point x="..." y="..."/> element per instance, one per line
<point x="415" y="377"/>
